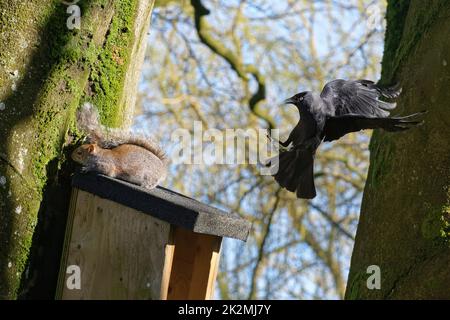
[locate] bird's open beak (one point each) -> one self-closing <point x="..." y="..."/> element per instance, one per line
<point x="288" y="101"/>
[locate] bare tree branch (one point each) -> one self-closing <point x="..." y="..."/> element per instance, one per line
<point x="202" y="26"/>
<point x="261" y="254"/>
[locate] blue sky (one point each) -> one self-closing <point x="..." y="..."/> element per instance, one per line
<point x="226" y="84"/>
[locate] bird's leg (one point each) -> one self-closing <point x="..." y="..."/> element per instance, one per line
<point x="281" y="145"/>
<point x="284" y="144"/>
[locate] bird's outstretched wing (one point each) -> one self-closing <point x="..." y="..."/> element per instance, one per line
<point x="360" y="97"/>
<point x="336" y="127"/>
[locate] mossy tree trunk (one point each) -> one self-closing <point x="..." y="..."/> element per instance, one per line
<point x="46" y="71"/>
<point x="404" y="226"/>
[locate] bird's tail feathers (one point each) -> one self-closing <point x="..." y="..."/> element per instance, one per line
<point x="296" y="172"/>
<point x="306" y="188"/>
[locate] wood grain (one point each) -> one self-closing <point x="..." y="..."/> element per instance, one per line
<point x="169" y="253"/>
<point x="120" y="250"/>
<point x="194" y="265"/>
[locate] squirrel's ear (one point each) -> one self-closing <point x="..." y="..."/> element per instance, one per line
<point x="91" y="148"/>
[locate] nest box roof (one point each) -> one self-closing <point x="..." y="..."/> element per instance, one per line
<point x="166" y="205"/>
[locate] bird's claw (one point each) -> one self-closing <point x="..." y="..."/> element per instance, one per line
<point x="268" y="134"/>
<point x="276" y="143"/>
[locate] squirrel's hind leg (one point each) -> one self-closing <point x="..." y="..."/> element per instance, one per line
<point x="107" y="168"/>
<point x="149" y="183"/>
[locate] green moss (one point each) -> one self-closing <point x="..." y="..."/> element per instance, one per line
<point x="64" y="63"/>
<point x="72" y="86"/>
<point x="11" y="24"/>
<point x="19" y="241"/>
<point x="396" y="228"/>
<point x="445" y="222"/>
<point x="432" y="225"/>
<point x="353" y="287"/>
<point x="395" y="16"/>
<point x="402" y="35"/>
<point x="108" y="74"/>
<point x="381" y="149"/>
<point x="445" y="229"/>
<point x="436" y="225"/>
<point x="73" y="52"/>
<point x="52" y="105"/>
<point x="20" y="215"/>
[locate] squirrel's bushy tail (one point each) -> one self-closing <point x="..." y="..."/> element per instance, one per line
<point x="88" y="121"/>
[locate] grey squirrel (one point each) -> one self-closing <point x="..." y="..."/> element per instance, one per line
<point x="119" y="153"/>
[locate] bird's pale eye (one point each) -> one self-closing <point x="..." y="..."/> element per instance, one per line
<point x="301" y="98"/>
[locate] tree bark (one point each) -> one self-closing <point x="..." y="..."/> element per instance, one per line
<point x="404" y="226"/>
<point x="46" y="71"/>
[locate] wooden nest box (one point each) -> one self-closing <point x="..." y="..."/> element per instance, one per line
<point x="131" y="243"/>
